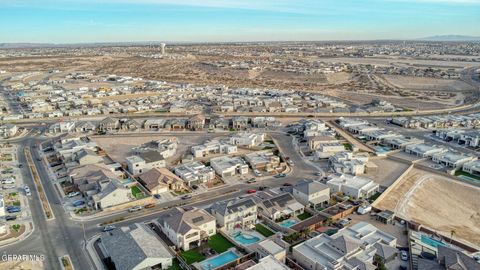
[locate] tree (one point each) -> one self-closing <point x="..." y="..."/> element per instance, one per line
<point x="452" y="232"/>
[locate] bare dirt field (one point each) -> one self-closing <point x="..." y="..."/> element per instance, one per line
<point x="438" y="202"/>
<point x="432" y="84"/>
<point x="118" y="148"/>
<point x="387" y="172"/>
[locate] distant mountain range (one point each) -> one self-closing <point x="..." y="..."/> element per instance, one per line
<point x="451" y="38"/>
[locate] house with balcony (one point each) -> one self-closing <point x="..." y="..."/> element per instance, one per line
<point x="354" y="186"/>
<point x="236" y="213"/>
<point x="281" y="206"/>
<point x="311" y="193"/>
<point x="187" y="229"/>
<point x="194" y="173"/>
<point x="229" y="166"/>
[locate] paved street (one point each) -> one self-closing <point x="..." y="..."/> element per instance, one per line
<point x="63" y="235"/>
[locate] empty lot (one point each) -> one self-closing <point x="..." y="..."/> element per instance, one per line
<point x="437" y="202"/>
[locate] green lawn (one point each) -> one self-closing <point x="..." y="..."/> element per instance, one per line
<point x="191" y="256"/>
<point x="460" y="172"/>
<point x="175" y="265"/>
<point x="219" y="243"/>
<point x="374" y="196"/>
<point x="263" y="230"/>
<point x="348" y="146"/>
<point x="304" y="216"/>
<point x="136" y="192"/>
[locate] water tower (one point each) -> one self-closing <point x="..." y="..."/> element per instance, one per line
<point x="162" y="48"/>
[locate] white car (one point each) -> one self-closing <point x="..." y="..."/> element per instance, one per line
<point x="9" y="187"/>
<point x="403" y="255"/>
<point x="135" y="208"/>
<point x="8" y="181"/>
<point x="27" y="191"/>
<point x="73" y="194"/>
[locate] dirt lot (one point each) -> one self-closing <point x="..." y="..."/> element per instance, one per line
<point x="387" y="172"/>
<point x="417" y="83"/>
<point x="435" y="201"/>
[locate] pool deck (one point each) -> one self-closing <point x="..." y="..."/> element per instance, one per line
<point x="252" y="232"/>
<point x="200" y="265"/>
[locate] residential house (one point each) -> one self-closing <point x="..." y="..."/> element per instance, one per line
<point x="196" y="122"/>
<point x="135" y="247"/>
<point x="110" y="192"/>
<point x="235" y="213"/>
<point x="145" y="161"/>
<point x="263" y="160"/>
<point x="311" y="193"/>
<point x="400" y="142"/>
<point x="247" y="140"/>
<point x="85" y="127"/>
<point x="159" y="180"/>
<point x="449" y="258"/>
<point x="424" y="150"/>
<point x="355" y="186"/>
<point x="187" y="229"/>
<point x="108" y="124"/>
<point x="452" y="159"/>
<point x="352" y="247"/>
<point x="213" y="147"/>
<point x="281" y="206"/>
<point x="86" y="156"/>
<point x="194" y="173"/>
<point x="229" y="166"/>
<point x="348" y="162"/>
<point x="472" y="167"/>
<point x="8" y="130"/>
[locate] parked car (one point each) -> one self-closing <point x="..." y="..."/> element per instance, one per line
<point x="109" y="228"/>
<point x="78" y="203"/>
<point x="318" y="174"/>
<point x="13" y="209"/>
<point x="150" y="205"/>
<point x="257" y="172"/>
<point x="251" y="181"/>
<point x="251" y="191"/>
<point x="73" y="194"/>
<point x="157" y="196"/>
<point x="9" y="187"/>
<point x="343" y="222"/>
<point x="135" y="208"/>
<point x="186" y="197"/>
<point x="262" y="187"/>
<point x="8" y="181"/>
<point x="280" y="175"/>
<point x="287" y="185"/>
<point x="194" y="186"/>
<point x="27" y="190"/>
<point x="290" y="162"/>
<point x="8" y="218"/>
<point x="403" y="255"/>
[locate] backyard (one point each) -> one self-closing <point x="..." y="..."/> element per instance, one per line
<point x="216" y="242"/>
<point x="263" y="230"/>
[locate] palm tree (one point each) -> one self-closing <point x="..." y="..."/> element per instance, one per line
<point x="452" y="232"/>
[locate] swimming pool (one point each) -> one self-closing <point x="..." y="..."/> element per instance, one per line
<point x="245" y="238"/>
<point x="288" y="223"/>
<point x="219" y="260"/>
<point x="431" y="242"/>
<point x="382" y="149"/>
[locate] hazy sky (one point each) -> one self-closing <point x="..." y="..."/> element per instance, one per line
<point x="72" y="21"/>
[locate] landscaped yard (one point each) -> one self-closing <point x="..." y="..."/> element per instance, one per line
<point x="216" y="242"/>
<point x="304" y="215"/>
<point x="175" y="265"/>
<point x="137" y="193"/>
<point x="219" y="243"/>
<point x="460" y="172"/>
<point x="191" y="256"/>
<point x="263" y="230"/>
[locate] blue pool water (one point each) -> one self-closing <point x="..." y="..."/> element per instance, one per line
<point x="431" y="242"/>
<point x="246" y="239"/>
<point x="382" y="149"/>
<point x="219" y="260"/>
<point x="288" y="223"/>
